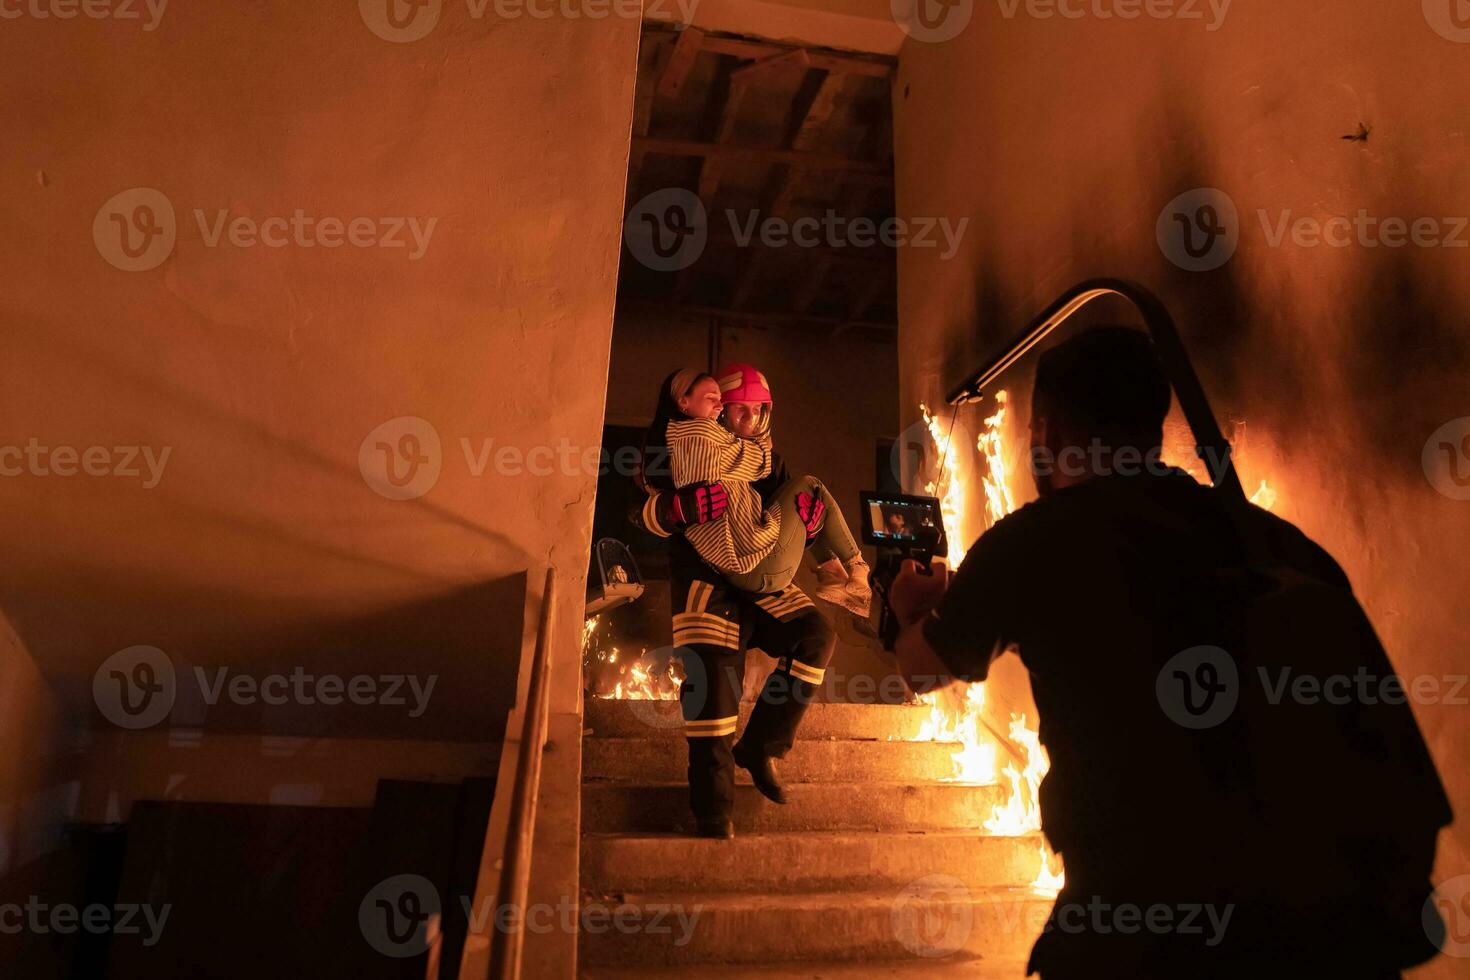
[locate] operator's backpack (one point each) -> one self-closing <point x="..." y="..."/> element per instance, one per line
<point x="1347" y="797"/>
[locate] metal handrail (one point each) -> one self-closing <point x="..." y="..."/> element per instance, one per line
<point x="506" y="945"/>
<point x="1211" y="445"/>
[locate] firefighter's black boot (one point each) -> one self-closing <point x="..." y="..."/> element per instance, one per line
<point x="719" y="827"/>
<point x="762" y="769"/>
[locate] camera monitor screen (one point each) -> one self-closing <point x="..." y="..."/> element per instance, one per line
<point x="900" y="520"/>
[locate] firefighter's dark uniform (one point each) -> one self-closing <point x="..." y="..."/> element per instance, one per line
<point x="713" y="624"/>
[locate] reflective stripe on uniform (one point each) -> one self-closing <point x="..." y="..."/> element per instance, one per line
<point x="801" y="671"/>
<point x="711" y="727"/>
<point x="786" y="604"/>
<point x="707" y="628"/>
<point x="697" y="601"/>
<point x="650" y="516"/>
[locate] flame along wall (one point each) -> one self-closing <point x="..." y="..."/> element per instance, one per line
<point x="1063" y="141"/>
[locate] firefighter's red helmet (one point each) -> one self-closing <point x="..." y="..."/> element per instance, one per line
<point x="742" y="383"/>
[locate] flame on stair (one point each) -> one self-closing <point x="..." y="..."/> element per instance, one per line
<point x="955" y="717"/>
<point x="612" y="673"/>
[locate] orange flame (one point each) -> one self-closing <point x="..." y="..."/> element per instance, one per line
<point x="958" y="718"/>
<point x="636" y="679"/>
<point x="948" y="486"/>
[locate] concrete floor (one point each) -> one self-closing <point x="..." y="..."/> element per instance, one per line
<point x="971" y="969"/>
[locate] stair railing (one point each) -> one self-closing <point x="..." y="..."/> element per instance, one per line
<point x="507" y="945"/>
<point x="1210" y="443"/>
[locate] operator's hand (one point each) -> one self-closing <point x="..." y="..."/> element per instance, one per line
<point x="914" y="593"/>
<point x="699" y="503"/>
<point x="812" y="512"/>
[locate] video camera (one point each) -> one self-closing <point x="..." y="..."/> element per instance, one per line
<point x="902" y="527"/>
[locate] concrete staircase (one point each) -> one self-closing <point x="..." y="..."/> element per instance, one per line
<point x="876" y="867"/>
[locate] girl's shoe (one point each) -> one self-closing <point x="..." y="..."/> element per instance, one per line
<point x="831" y="577"/>
<point x="846" y="585"/>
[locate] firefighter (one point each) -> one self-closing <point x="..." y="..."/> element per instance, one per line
<point x="714" y="623"/>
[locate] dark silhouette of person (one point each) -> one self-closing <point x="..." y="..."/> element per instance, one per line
<point x="1211" y="824"/>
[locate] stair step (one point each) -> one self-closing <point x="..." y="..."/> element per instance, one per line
<point x="957" y="966"/>
<point x="809" y="761"/>
<point x="932" y="917"/>
<point x="664" y="807"/>
<point x="621" y="718"/>
<point x="814" y="861"/>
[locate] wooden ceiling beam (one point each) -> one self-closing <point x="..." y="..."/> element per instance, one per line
<point x="797" y="59"/>
<point x="808" y="120"/>
<point x="671" y="80"/>
<point x="875" y="67"/>
<point x="771" y="154"/>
